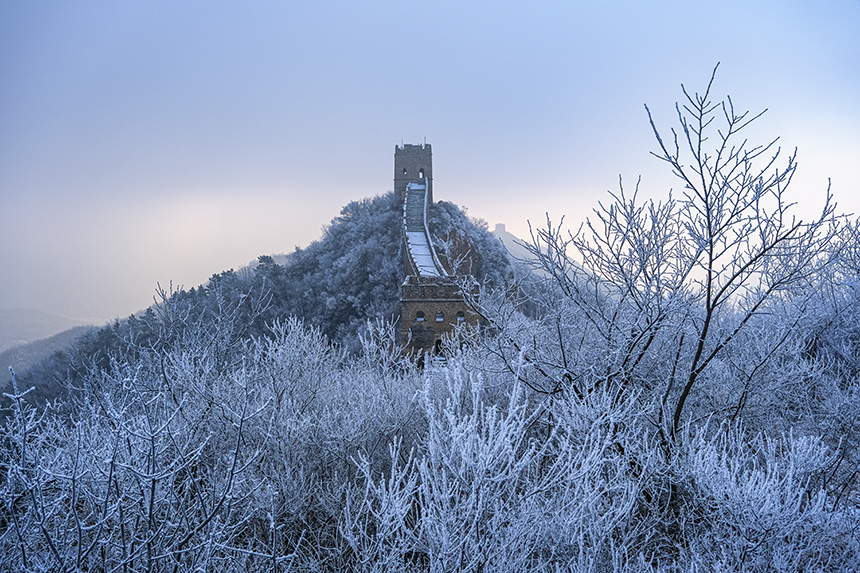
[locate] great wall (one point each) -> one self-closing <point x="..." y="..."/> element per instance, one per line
<point x="431" y="302"/>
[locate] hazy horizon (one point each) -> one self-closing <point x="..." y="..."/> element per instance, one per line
<point x="144" y="143"/>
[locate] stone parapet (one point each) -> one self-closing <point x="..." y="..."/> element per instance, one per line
<point x="430" y="289"/>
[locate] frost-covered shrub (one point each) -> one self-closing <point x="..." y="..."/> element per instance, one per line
<point x="486" y="491"/>
<point x="175" y="458"/>
<point x="298" y="456"/>
<point x="753" y="502"/>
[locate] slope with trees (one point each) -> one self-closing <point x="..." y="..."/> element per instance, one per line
<point x="349" y="277"/>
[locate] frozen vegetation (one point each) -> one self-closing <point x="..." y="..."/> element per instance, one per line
<point x="683" y="397"/>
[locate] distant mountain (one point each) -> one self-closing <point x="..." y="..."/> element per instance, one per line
<point x="520" y="255"/>
<point x="22" y="325"/>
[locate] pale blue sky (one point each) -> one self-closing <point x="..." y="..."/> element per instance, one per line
<point x="144" y="142"/>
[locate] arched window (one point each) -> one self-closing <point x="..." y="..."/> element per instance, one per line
<point x="419" y="316"/>
<point x="461" y="317"/>
<point x="439" y="316"/>
<point x="421" y="173"/>
<point x="404" y="171"/>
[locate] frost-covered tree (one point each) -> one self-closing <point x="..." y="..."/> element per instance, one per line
<point x="658" y="295"/>
<point x="174" y="458"/>
<point x="466" y="247"/>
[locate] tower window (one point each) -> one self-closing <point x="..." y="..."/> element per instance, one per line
<point x="421" y="173"/>
<point x="419" y="316"/>
<point x="404" y="171"/>
<point x="439" y="316"/>
<point x="461" y="317"/>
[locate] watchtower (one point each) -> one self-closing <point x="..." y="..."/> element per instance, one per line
<point x="430" y="309"/>
<point x="413" y="163"/>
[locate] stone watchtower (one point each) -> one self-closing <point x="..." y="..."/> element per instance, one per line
<point x="413" y="164"/>
<point x="431" y="302"/>
<point x="430" y="308"/>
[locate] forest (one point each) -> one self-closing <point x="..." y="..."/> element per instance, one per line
<point x="672" y="387"/>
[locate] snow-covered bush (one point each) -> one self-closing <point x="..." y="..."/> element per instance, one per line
<point x="297" y="456"/>
<point x="488" y="490"/>
<point x="174" y="457"/>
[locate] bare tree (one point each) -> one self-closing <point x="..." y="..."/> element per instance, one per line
<point x="743" y="247"/>
<point x="651" y="294"/>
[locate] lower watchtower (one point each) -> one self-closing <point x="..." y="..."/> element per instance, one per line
<point x="430" y="309"/>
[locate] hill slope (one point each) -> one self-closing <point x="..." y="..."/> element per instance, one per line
<point x="350" y="276"/>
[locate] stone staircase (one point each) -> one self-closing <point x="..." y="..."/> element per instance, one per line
<point x="423" y="256"/>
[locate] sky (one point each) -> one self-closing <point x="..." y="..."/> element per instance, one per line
<point x="160" y="142"/>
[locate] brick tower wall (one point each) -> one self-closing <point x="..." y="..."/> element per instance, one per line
<point x="430" y="296"/>
<point x="410" y="162"/>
